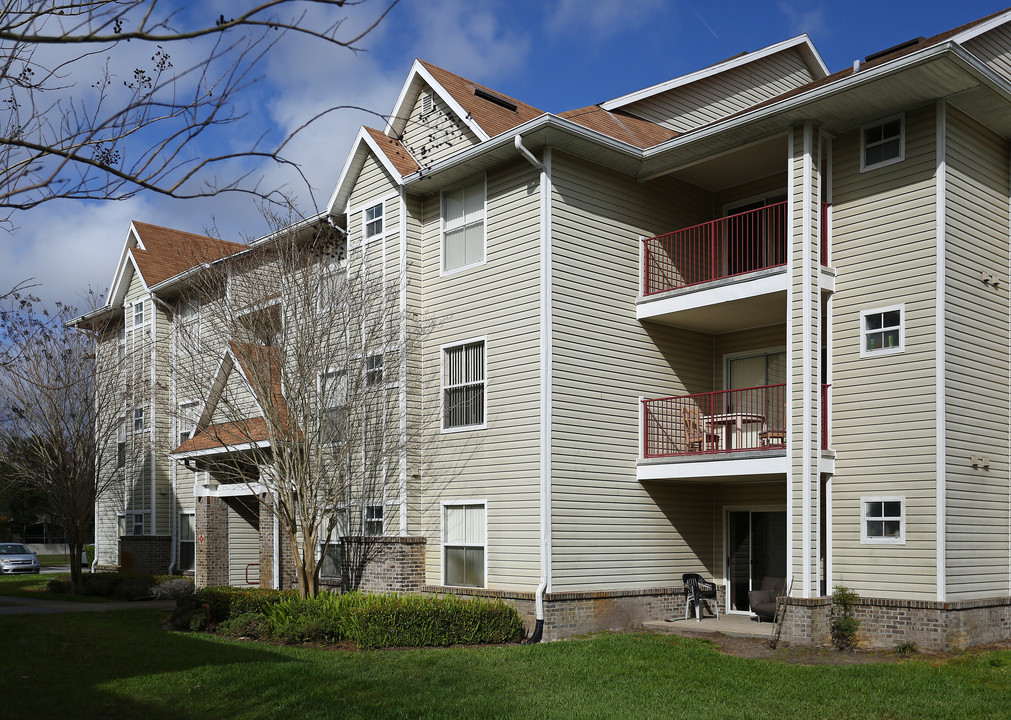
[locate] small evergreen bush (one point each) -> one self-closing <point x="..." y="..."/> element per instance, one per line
<point x="172" y="588"/>
<point x="251" y="625"/>
<point x="228" y="602"/>
<point x="844" y="625"/>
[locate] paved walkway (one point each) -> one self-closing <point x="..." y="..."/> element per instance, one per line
<point x="31" y="606"/>
<point x="735" y="625"/>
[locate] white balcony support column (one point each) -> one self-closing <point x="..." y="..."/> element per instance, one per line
<point x="804" y="352"/>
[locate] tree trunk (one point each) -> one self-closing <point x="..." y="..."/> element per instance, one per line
<point x="76" y="546"/>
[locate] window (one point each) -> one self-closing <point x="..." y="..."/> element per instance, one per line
<point x="138" y="313"/>
<point x="333" y="272"/>
<point x="374" y="220"/>
<point x="882" y="144"/>
<point x="333" y="406"/>
<point x="189" y="323"/>
<point x="373" y="520"/>
<point x="882" y="520"/>
<point x="138" y="420"/>
<point x="464" y="544"/>
<point x="187" y="536"/>
<point x="121" y="443"/>
<point x="121" y="345"/>
<point x="330" y="559"/>
<point x="882" y="331"/>
<point x="463" y="227"/>
<point x="187" y="420"/>
<point x="131" y="523"/>
<point x="463" y="386"/>
<point x="374" y="370"/>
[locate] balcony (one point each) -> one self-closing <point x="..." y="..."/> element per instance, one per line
<point x="747" y="420"/>
<point x="726" y="248"/>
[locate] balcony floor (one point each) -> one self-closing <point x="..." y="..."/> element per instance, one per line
<point x="733" y="625"/>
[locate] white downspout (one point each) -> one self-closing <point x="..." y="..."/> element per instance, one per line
<point x="545" y="386"/>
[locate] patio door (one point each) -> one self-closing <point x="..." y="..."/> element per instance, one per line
<point x="756" y="549"/>
<point x="751" y="238"/>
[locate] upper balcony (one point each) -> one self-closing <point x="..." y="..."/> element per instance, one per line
<point x="721" y="275"/>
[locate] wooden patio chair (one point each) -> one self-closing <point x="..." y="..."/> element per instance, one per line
<point x="770" y="436"/>
<point x="696" y="436"/>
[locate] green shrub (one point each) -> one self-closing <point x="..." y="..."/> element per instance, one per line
<point x="228" y="602"/>
<point x="118" y="586"/>
<point x="172" y="588"/>
<point x="375" y="621"/>
<point x="89" y="551"/>
<point x="906" y="648"/>
<point x="58" y="587"/>
<point x="251" y="625"/>
<point x="844" y="625"/>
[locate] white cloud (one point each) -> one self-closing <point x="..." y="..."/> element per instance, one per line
<point x="602" y="18"/>
<point x="805" y="17"/>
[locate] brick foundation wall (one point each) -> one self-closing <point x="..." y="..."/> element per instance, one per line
<point x="391" y="564"/>
<point x="286" y="568"/>
<point x="576" y="613"/>
<point x="145" y="554"/>
<point x="211" y="562"/>
<point x="886" y="623"/>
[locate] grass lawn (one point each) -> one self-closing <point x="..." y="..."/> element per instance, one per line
<point x="34" y="586"/>
<point x="54" y="559"/>
<point x="122" y="665"/>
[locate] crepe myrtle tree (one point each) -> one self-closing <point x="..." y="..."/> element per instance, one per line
<point x="103" y="99"/>
<point x="61" y="405"/>
<point x="310" y="416"/>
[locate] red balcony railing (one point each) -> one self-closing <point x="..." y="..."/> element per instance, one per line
<point x="733" y="245"/>
<point x="721" y="422"/>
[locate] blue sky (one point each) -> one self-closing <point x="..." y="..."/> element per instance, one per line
<point x="556" y="55"/>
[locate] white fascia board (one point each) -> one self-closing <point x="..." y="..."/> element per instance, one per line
<point x="547" y="120"/>
<point x="801" y="42"/>
<point x="650" y="307"/>
<point x="125" y="257"/>
<point x="409" y="94"/>
<point x="687" y="470"/>
<point x="982" y="28"/>
<point x="353" y="166"/>
<point x="217" y="387"/>
<point x="971" y="62"/>
<point x="219" y="450"/>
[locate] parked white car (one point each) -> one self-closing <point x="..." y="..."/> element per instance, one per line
<point x="16" y="558"/>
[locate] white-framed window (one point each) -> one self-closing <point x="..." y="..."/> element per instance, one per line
<point x="121" y="345"/>
<point x="372" y="218"/>
<point x="333" y="414"/>
<point x="883" y="520"/>
<point x="374" y="370"/>
<point x="463" y="226"/>
<point x="332" y="276"/>
<point x="464" y="540"/>
<point x="463" y="386"/>
<point x="882" y="331"/>
<point x="330" y="554"/>
<point x="187" y="540"/>
<point x="883" y="143"/>
<point x="189" y="322"/>
<point x="131" y="522"/>
<point x="121" y="443"/>
<point x="138" y="313"/>
<point x="373" y="520"/>
<point x="187" y="420"/>
<point x="138" y="420"/>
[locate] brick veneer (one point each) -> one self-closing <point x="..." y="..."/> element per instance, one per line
<point x="211" y="561"/>
<point x="575" y="613"/>
<point x="145" y="554"/>
<point x="885" y="623"/>
<point x="286" y="567"/>
<point x="393" y="564"/>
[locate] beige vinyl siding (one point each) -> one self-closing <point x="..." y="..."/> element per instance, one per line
<point x="994" y="48"/>
<point x="705" y="101"/>
<point x="773" y="185"/>
<point x="236" y="401"/>
<point x="416" y="417"/>
<point x="435" y="136"/>
<point x="138" y="378"/>
<point x="771" y="337"/>
<point x="243" y="546"/>
<point x="976" y="360"/>
<point x="373" y="184"/>
<point x="163" y="422"/>
<point x="884" y="407"/>
<point x="609" y="530"/>
<point x="497" y="301"/>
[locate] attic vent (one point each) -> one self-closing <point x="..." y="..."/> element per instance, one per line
<point x="497" y="99"/>
<point x="427" y="103"/>
<point x="893" y="49"/>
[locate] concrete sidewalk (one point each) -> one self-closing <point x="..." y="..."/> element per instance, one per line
<point x="31" y="606"/>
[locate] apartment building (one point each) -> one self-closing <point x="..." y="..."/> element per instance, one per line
<point x="750" y="323"/>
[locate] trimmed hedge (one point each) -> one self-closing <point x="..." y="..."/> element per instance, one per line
<point x="229" y="602"/>
<point x="377" y="621"/>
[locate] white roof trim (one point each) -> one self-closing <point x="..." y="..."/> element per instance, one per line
<point x="982" y="28"/>
<point x="220" y="450"/>
<point x="124" y="256"/>
<point x="801" y="42"/>
<point x="353" y="166"/>
<point x="409" y="94"/>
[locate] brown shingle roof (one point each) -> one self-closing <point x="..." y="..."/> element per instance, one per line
<point x="395" y="151"/>
<point x="620" y="125"/>
<point x="491" y="117"/>
<point x="169" y="252"/>
<point x="256" y="360"/>
<point x="223" y="435"/>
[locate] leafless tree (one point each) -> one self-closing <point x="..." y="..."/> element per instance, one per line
<point x="107" y="98"/>
<point x="310" y="414"/>
<point x="60" y="413"/>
